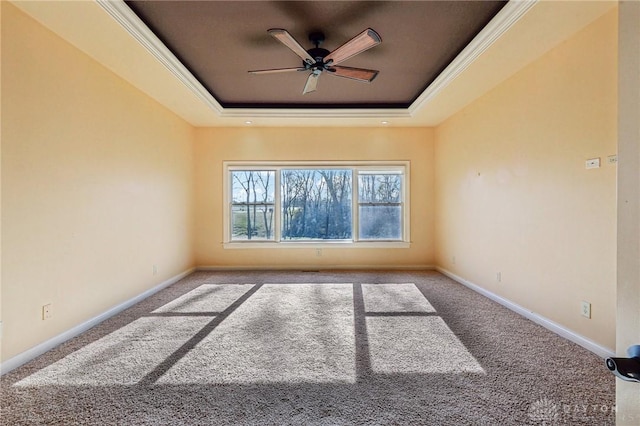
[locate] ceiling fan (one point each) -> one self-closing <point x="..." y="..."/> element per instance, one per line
<point x="318" y="60"/>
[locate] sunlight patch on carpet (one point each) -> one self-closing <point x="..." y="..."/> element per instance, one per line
<point x="207" y="298"/>
<point x="122" y="357"/>
<point x="302" y="333"/>
<point x="417" y="345"/>
<point x="394" y="298"/>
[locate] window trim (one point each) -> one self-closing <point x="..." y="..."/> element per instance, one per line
<point x="356" y="166"/>
<point x="357" y="204"/>
<point x="275" y="204"/>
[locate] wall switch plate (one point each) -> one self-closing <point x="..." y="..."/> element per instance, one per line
<point x="499" y="277"/>
<point x="318" y="252"/>
<point x="586" y="309"/>
<point x="155" y="269"/>
<point x="593" y="163"/>
<point x="47" y="311"/>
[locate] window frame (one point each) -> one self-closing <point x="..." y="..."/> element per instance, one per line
<point x="248" y="205"/>
<point x="358" y="204"/>
<point x="355" y="166"/>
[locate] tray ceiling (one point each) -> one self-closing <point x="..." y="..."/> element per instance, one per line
<point x="220" y="41"/>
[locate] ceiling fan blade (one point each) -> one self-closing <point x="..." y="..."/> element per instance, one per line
<point x="287" y="39"/>
<point x="312" y="83"/>
<point x="363" y="41"/>
<point x="359" y="74"/>
<point x="276" y="70"/>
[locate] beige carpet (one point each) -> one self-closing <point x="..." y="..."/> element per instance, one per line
<point x="328" y="348"/>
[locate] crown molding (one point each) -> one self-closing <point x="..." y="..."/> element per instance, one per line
<point x="505" y="19"/>
<point x="138" y="30"/>
<point x="129" y="21"/>
<point x="316" y="112"/>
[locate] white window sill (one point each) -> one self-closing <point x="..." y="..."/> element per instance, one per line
<point x="317" y="245"/>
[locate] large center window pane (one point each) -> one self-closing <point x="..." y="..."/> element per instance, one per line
<point x="316" y="204"/>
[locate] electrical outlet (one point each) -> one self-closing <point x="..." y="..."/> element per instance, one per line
<point x="47" y="311"/>
<point x="612" y="159"/>
<point x="586" y="309"/>
<point x="593" y="163"/>
<point x="318" y="252"/>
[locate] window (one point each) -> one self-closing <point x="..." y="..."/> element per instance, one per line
<point x="293" y="203"/>
<point x="380" y="205"/>
<point x="316" y="204"/>
<point x="252" y="204"/>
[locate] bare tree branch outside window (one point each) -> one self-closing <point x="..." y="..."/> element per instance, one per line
<point x="317" y="204"/>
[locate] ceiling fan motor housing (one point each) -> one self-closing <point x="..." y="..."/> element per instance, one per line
<point x="317" y="53"/>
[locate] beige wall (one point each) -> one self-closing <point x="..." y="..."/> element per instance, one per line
<point x="513" y="195"/>
<point x="213" y="146"/>
<point x="97" y="187"/>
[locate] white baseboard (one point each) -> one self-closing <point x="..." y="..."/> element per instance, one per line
<point x="28" y="355"/>
<point x="315" y="267"/>
<point x="560" y="330"/>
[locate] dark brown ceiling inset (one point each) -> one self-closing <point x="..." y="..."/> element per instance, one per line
<point x="220" y="41"/>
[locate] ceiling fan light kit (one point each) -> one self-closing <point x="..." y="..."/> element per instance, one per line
<point x="318" y="60"/>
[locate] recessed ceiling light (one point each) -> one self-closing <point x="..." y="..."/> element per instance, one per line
<point x="248" y="122"/>
<point x="384" y="122"/>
